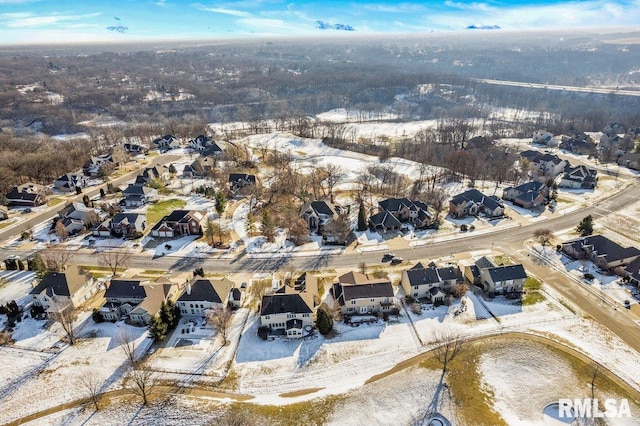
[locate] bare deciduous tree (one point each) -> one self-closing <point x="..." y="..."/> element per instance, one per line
<point x="448" y="345"/>
<point x="66" y="317"/>
<point x="141" y="382"/>
<point x="339" y="228"/>
<point x="93" y="387"/>
<point x="126" y="340"/>
<point x="543" y="236"/>
<point x="55" y="260"/>
<point x="220" y="317"/>
<point x="115" y="259"/>
<point x="334" y="175"/>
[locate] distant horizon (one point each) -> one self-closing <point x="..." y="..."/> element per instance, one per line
<point x="49" y="22"/>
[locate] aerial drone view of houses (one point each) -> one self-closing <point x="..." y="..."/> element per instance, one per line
<point x="271" y="268"/>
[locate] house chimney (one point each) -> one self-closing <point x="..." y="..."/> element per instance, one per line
<point x="188" y="288"/>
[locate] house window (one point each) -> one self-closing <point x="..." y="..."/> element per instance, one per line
<point x="191" y="305"/>
<point x="267" y="317"/>
<point x="415" y="294"/>
<point x="350" y="309"/>
<point x="201" y="306"/>
<point x="305" y="315"/>
<point x="291" y="316"/>
<point x="353" y="302"/>
<point x="373" y="300"/>
<point x="415" y="287"/>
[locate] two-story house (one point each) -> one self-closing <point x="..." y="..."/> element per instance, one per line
<point x="202" y="295"/>
<point x="26" y="195"/>
<point x="179" y="223"/>
<point x="395" y="211"/>
<point x="129" y="225"/>
<point x="287" y="314"/>
<point x="58" y="291"/>
<point x="430" y="282"/>
<point x="122" y="295"/>
<point x="136" y="195"/>
<point x="70" y="182"/>
<point x="579" y="177"/>
<point x="357" y="293"/>
<point x="166" y="143"/>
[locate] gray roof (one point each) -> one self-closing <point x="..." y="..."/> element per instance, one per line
<point x="484" y="262"/>
<point x="364" y="291"/>
<point x="423" y="276"/>
<point x="477" y="197"/>
<point x="284" y="303"/>
<point x="125" y="289"/>
<point x="202" y="290"/>
<point x="449" y="273"/>
<point x="507" y="272"/>
<point x="604" y="247"/>
<point x="385" y="218"/>
<point x="56" y="281"/>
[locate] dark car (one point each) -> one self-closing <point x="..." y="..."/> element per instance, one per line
<point x="396" y="260"/>
<point x="387" y="257"/>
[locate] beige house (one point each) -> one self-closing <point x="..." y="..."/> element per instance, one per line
<point x="357" y="293"/>
<point x="156" y="292"/>
<point x="59" y="290"/>
<point x="202" y="295"/>
<point x="287" y="314"/>
<point x="503" y="279"/>
<point x="430" y="282"/>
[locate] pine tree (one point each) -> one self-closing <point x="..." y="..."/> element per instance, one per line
<point x="324" y="320"/>
<point x="157" y="329"/>
<point x="268" y="227"/>
<point x="362" y="218"/>
<point x="250" y="224"/>
<point x="221" y="203"/>
<point x="585" y="227"/>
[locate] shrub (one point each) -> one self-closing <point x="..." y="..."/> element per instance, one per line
<point x="263" y="332"/>
<point x="459" y="290"/>
<point x="324" y="320"/>
<point x="464" y="228"/>
<point x="97" y="316"/>
<point x="588" y="276"/>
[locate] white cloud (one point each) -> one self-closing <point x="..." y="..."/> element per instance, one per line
<point x="17" y="1"/>
<point x="261" y="23"/>
<point x="397" y="8"/>
<point x="224" y="11"/>
<point x="33" y="21"/>
<point x="575" y="14"/>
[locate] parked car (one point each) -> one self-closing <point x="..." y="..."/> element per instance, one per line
<point x="396" y="260"/>
<point x="627" y="304"/>
<point x="387" y="257"/>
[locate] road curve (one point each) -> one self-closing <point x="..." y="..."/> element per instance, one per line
<point x="201" y="392"/>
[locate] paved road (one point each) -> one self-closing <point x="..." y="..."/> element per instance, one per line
<point x="508" y="239"/>
<point x="49" y="213"/>
<point x="599" y="90"/>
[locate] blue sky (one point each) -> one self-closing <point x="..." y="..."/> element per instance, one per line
<point x="49" y="21"/>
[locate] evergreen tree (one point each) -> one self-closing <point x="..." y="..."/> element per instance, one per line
<point x="38" y="266"/>
<point x="585" y="227"/>
<point x="221" y="203"/>
<point x="362" y="218"/>
<point x="268" y="226"/>
<point x="157" y="329"/>
<point x="250" y="224"/>
<point x="324" y="320"/>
